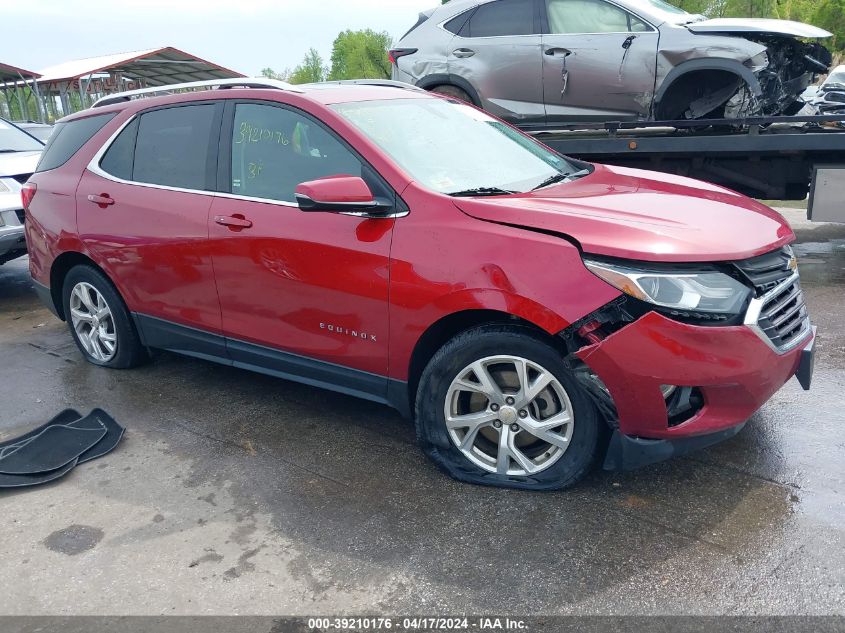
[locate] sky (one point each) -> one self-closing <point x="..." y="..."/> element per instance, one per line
<point x="244" y="35"/>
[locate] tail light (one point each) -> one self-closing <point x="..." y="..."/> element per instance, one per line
<point x="395" y="53"/>
<point x="27" y="194"/>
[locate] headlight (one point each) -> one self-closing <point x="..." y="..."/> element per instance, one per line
<point x="759" y="62"/>
<point x="705" y="291"/>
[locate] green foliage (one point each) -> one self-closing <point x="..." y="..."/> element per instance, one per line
<point x="311" y="70"/>
<point x="360" y="55"/>
<point x="830" y="15"/>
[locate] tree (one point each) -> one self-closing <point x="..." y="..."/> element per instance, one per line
<point x="311" y="70"/>
<point x="272" y="74"/>
<point x="361" y="55"/>
<point x="830" y="15"/>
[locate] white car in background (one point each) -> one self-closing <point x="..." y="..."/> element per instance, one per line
<point x="19" y="153"/>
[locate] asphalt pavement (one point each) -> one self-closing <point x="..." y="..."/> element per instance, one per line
<point x="236" y="493"/>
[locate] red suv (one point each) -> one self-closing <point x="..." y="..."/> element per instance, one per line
<point x="532" y="312"/>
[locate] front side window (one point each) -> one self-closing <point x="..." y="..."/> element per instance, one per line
<point x="501" y="17"/>
<point x="451" y="147"/>
<point x="172" y="146"/>
<point x="591" y="16"/>
<point x="274" y="149"/>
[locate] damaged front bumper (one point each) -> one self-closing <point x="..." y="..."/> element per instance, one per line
<point x="732" y="370"/>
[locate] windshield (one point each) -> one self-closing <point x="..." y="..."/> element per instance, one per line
<point x="14" y="140"/>
<point x="452" y="148"/>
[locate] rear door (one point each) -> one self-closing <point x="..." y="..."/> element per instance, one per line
<point x="142" y="209"/>
<point x="497" y="51"/>
<point x="599" y="61"/>
<point x="301" y="293"/>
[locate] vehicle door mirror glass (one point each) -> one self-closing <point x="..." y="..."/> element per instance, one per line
<point x="340" y="193"/>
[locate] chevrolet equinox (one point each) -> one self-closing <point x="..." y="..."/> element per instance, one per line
<point x="532" y="313"/>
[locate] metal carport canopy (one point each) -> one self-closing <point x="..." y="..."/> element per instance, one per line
<point x="11" y="74"/>
<point x="153" y="67"/>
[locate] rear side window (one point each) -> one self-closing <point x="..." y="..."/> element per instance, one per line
<point x="172" y="147"/>
<point x="120" y="156"/>
<point x="456" y="24"/>
<point x="501" y="17"/>
<point x="68" y="137"/>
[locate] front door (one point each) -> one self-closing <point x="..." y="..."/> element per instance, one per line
<point x="301" y="293"/>
<point x="497" y="51"/>
<point x="599" y="62"/>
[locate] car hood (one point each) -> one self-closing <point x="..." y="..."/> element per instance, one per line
<point x="757" y="25"/>
<point x="636" y="214"/>
<point x="18" y="163"/>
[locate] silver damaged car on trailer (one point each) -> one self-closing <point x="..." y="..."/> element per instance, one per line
<point x="542" y="63"/>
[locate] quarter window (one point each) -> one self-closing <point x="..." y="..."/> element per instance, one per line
<point x="501" y="17"/>
<point x="591" y="16"/>
<point x="274" y="149"/>
<point x="172" y="146"/>
<point x="68" y="137"/>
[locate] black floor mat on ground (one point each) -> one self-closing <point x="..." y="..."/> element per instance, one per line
<point x="20" y="481"/>
<point x="53" y="449"/>
<point x="65" y="417"/>
<point x="114" y="432"/>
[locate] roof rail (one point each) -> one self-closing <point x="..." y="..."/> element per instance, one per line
<point x="244" y="82"/>
<point x="387" y="83"/>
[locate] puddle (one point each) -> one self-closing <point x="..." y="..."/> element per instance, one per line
<point x="821" y="263"/>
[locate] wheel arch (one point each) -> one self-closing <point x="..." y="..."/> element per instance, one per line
<point x="447" y="327"/>
<point x="58" y="271"/>
<point x="693" y="66"/>
<point x="432" y="81"/>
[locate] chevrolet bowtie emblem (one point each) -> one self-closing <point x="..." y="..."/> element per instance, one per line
<point x="793" y="263"/>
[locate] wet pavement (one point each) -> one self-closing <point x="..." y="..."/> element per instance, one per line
<point x="235" y="493"/>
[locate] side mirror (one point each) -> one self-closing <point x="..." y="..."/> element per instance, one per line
<point x="338" y="194"/>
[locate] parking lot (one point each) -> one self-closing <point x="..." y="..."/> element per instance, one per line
<point x="236" y="493"/>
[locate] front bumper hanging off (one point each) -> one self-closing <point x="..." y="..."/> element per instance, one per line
<point x="735" y="370"/>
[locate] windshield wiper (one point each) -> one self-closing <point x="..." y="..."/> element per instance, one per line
<point x="481" y="191"/>
<point x="561" y="176"/>
<point x="10" y="151"/>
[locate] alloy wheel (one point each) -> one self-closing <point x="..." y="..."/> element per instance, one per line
<point x="93" y="322"/>
<point x="509" y="415"/>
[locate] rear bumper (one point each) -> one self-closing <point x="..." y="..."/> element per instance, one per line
<point x="733" y="367"/>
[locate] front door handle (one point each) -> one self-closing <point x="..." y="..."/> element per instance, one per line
<point x="558" y="52"/>
<point x="102" y="200"/>
<point x="235" y="222"/>
<point x="463" y="52"/>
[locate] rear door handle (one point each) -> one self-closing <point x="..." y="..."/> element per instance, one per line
<point x="463" y="52"/>
<point x="101" y="200"/>
<point x="235" y="222"/>
<point x="555" y="51"/>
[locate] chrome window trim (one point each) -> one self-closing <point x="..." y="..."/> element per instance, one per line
<point x="755" y="307"/>
<point x="94" y="168"/>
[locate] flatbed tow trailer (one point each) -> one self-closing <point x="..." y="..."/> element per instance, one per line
<point x="774" y="158"/>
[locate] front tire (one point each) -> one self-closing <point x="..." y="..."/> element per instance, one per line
<point x="498" y="406"/>
<point x="99" y="321"/>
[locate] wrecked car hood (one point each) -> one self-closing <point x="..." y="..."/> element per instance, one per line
<point x="636" y="214"/>
<point x="757" y="25"/>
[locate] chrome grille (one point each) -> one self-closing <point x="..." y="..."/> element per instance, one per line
<point x="783" y="315"/>
<point x="766" y="272"/>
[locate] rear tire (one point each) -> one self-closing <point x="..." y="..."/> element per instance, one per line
<point x="99" y="321"/>
<point x="452" y="91"/>
<point x="498" y="434"/>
